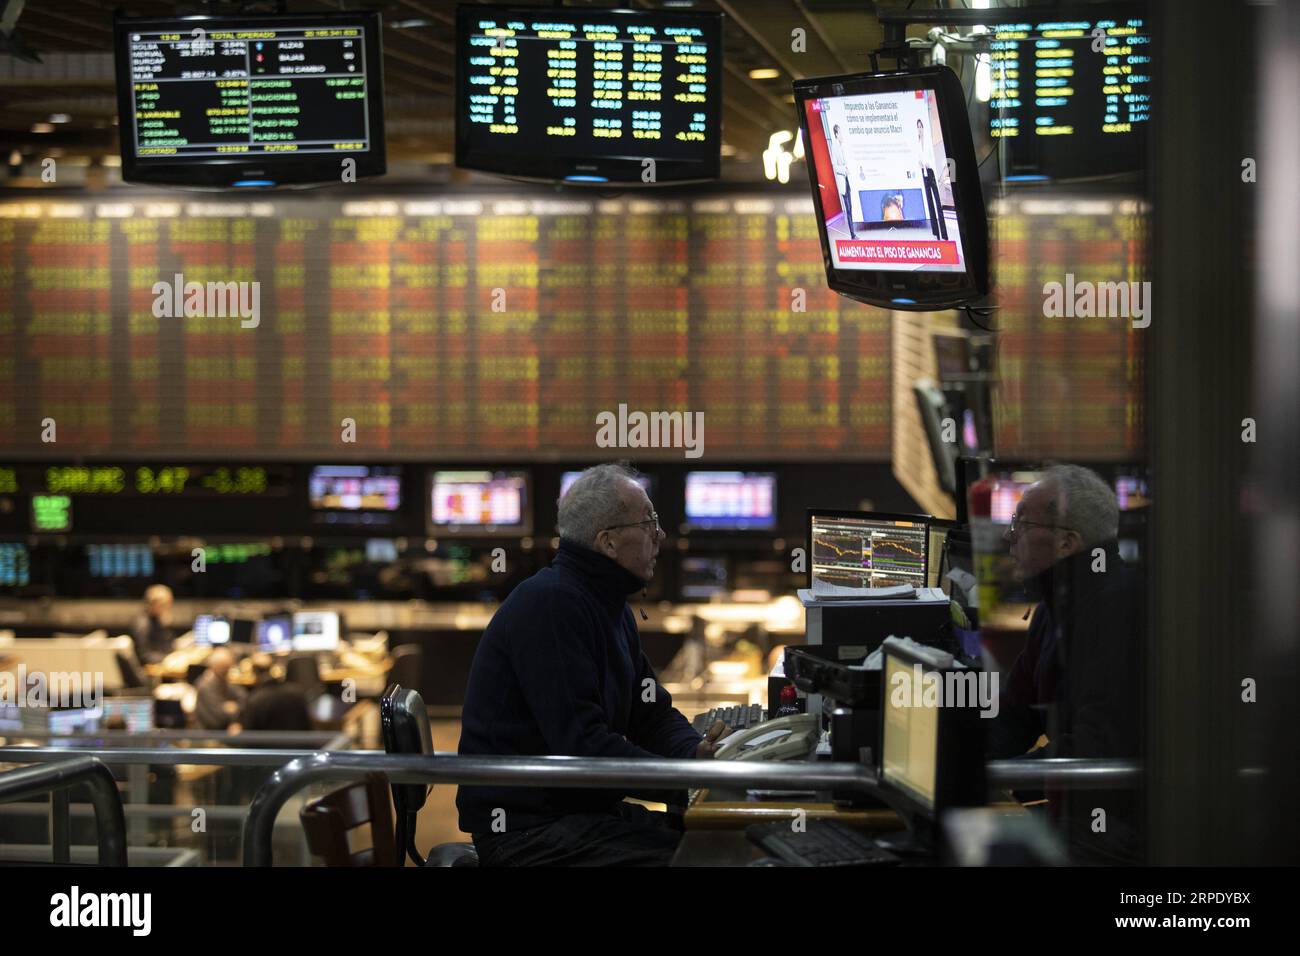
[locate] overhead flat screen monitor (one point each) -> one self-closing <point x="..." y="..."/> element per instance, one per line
<point x="589" y="96"/>
<point x="864" y="549"/>
<point x="730" y="500"/>
<point x="703" y="577"/>
<point x="315" y="630"/>
<point x="1069" y="101"/>
<point x="355" y="488"/>
<point x="896" y="188"/>
<point x="569" y="477"/>
<point x="479" y="503"/>
<point x="251" y="100"/>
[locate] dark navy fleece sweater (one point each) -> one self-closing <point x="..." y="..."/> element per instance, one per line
<point x="560" y="671"/>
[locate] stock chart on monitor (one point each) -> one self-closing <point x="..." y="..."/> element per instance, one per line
<point x="868" y="551"/>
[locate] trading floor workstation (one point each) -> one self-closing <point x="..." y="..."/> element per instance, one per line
<point x="722" y="456"/>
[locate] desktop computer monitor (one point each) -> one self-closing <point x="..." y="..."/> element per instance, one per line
<point x="865" y="549"/>
<point x="211" y="630"/>
<point x="936" y="559"/>
<point x="703" y="577"/>
<point x="275" y="633"/>
<point x="315" y="630"/>
<point x="730" y="500"/>
<point x="931" y="738"/>
<point x="136" y="713"/>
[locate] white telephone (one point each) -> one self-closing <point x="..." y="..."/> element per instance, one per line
<point x="786" y="738"/>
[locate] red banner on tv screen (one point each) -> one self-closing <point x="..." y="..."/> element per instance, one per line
<point x="911" y="252"/>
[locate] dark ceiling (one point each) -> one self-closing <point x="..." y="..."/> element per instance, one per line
<point x="73" y="38"/>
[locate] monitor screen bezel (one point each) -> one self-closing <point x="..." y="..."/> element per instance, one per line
<point x="588" y="171"/>
<point x="915" y="291"/>
<point x="271" y="169"/>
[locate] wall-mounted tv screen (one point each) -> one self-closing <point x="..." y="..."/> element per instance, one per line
<point x="569" y="477"/>
<point x="479" y="503"/>
<point x="589" y="96"/>
<point x="250" y="100"/>
<point x="730" y="500"/>
<point x="355" y="488"/>
<point x="896" y="187"/>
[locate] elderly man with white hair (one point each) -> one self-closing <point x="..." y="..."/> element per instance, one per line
<point x="1078" y="679"/>
<point x="560" y="670"/>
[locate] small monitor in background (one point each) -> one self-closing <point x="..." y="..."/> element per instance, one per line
<point x="243" y="630"/>
<point x="936" y="550"/>
<point x="275" y="633"/>
<point x="15" y="565"/>
<point x="315" y="630"/>
<point x="75" y="720"/>
<point x="355" y="488"/>
<point x="1007" y="492"/>
<point x="896" y="187"/>
<point x="933" y="408"/>
<point x="133" y="714"/>
<point x="952" y="356"/>
<point x="569" y="477"/>
<point x="211" y="630"/>
<point x="381" y="550"/>
<point x="11" y="717"/>
<point x="864" y="549"/>
<point x="120" y="560"/>
<point x="730" y="500"/>
<point x="479" y="503"/>
<point x="703" y="577"/>
<point x="1131" y="492"/>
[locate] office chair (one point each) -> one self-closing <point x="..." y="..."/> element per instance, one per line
<point x="132" y="678"/>
<point x="408" y="660"/>
<point x="328" y="820"/>
<point x="303" y="670"/>
<point x="404" y="722"/>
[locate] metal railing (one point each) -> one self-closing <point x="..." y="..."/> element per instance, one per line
<point x="604" y="772"/>
<point x="56" y="779"/>
<point x="297" y="769"/>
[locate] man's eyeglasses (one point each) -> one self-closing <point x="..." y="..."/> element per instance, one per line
<point x="1018" y="524"/>
<point x="653" y="521"/>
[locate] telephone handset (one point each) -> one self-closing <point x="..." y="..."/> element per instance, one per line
<point x="786" y="738"/>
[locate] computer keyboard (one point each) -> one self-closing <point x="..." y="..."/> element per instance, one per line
<point x="822" y="843"/>
<point x="739" y="717"/>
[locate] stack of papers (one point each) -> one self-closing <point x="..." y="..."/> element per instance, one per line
<point x="826" y="591"/>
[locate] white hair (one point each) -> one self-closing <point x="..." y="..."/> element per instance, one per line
<point x="594" y="501"/>
<point x="1083" y="501"/>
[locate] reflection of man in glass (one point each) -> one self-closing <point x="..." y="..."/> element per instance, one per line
<point x="933" y="203"/>
<point x="840" y="164"/>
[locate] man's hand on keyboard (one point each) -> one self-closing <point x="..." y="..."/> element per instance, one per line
<point x="709" y="745"/>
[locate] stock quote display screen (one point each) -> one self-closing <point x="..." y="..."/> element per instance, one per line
<point x="1071" y="97"/>
<point x="868" y="553"/>
<point x="559" y="93"/>
<point x="1068" y="388"/>
<point x="236" y="93"/>
<point x="467" y="330"/>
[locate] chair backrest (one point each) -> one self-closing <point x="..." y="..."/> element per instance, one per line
<point x="408" y="661"/>
<point x="404" y="724"/>
<point x="328" y="820"/>
<point x="303" y="670"/>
